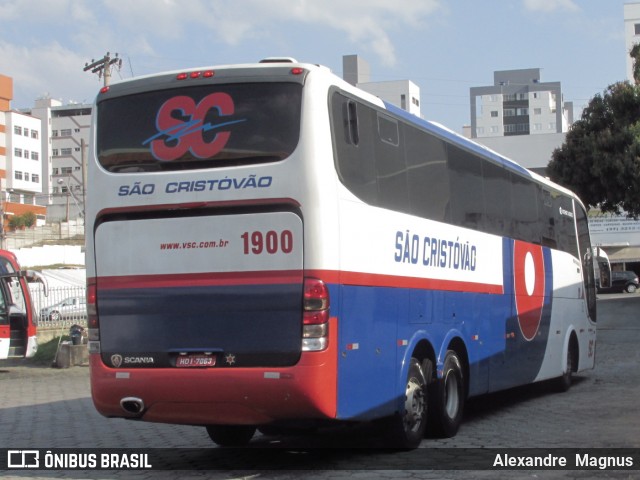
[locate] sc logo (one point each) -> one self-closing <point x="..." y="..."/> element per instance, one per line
<point x="176" y="137"/>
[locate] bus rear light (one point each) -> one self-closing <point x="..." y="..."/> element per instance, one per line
<point x="104" y="89"/>
<point x="195" y="74"/>
<point x="297" y="71"/>
<point x="92" y="311"/>
<point x="315" y="318"/>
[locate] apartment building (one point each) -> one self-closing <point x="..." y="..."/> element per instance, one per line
<point x="21" y="161"/>
<point x="66" y="131"/>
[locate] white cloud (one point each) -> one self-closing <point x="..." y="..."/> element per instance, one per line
<point x="550" y="5"/>
<point x="37" y="70"/>
<point x="366" y="23"/>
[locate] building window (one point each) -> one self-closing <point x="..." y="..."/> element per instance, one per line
<point x="26" y="154"/>
<point x="17" y="130"/>
<point x="66" y="170"/>
<point x="522" y="111"/>
<point x="480" y="130"/>
<point x="552" y="125"/>
<point x="55" y="152"/>
<point x="509" y="112"/>
<point x="522" y="127"/>
<point x="522" y="96"/>
<point x="17" y="175"/>
<point x="17" y="152"/>
<point x="34" y="134"/>
<point x="537" y="126"/>
<point x="65" y="132"/>
<point x="54" y="133"/>
<point x="35" y="156"/>
<point x="35" y="178"/>
<point x="77" y="130"/>
<point x="537" y="111"/>
<point x="636" y="27"/>
<point x="509" y="128"/>
<point x="65" y="151"/>
<point x="494" y="129"/>
<point x="415" y="101"/>
<point x="494" y="113"/>
<point x="25" y="132"/>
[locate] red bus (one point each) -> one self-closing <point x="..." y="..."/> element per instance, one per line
<point x="17" y="313"/>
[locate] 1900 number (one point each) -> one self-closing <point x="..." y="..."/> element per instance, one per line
<point x="270" y="242"/>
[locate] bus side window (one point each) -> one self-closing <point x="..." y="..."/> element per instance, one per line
<point x="427" y="175"/>
<point x="355" y="160"/>
<point x="467" y="190"/>
<point x="391" y="170"/>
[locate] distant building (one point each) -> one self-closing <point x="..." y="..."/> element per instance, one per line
<point x="631" y="33"/>
<point x="21" y="160"/>
<point x="518" y="103"/>
<point x="66" y="135"/>
<point x="402" y="93"/>
<point x="520" y="117"/>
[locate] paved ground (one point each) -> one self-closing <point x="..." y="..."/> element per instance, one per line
<point x="50" y="408"/>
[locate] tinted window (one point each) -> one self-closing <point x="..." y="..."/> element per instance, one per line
<point x="427" y="175"/>
<point x="586" y="258"/>
<point x="356" y="166"/>
<point x="199" y="127"/>
<point x="524" y="201"/>
<point x="467" y="191"/>
<point x="497" y="192"/>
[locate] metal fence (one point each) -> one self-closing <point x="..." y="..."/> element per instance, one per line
<point x="62" y="307"/>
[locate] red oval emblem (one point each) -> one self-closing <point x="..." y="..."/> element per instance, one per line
<point x="528" y="272"/>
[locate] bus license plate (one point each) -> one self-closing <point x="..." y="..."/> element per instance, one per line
<point x="184" y="361"/>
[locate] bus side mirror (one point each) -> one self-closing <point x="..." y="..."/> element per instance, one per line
<point x="602" y="267"/>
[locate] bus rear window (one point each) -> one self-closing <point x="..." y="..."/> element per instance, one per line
<point x="205" y="126"/>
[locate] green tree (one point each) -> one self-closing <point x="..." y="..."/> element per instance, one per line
<point x="600" y="159"/>
<point x="29" y="219"/>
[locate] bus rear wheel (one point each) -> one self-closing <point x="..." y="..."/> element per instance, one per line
<point x="231" y="435"/>
<point x="406" y="429"/>
<point x="447" y="397"/>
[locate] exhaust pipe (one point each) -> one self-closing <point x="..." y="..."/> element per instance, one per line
<point x="132" y="405"/>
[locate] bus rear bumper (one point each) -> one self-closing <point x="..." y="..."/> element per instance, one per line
<point x="224" y="396"/>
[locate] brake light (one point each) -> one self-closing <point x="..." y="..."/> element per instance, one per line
<point x="315" y="317"/>
<point x="195" y="74"/>
<point x="92" y="317"/>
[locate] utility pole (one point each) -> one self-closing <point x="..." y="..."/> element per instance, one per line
<point x="103" y="67"/>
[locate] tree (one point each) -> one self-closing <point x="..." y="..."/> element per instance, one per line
<point x="600" y="159"/>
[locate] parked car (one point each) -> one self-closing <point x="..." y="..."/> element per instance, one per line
<point x="625" y="281"/>
<point x="72" y="308"/>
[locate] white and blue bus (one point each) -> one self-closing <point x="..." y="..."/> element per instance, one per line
<point x="268" y="245"/>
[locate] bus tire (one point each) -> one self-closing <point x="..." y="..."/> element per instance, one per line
<point x="231" y="435"/>
<point x="406" y="429"/>
<point x="447" y="397"/>
<point x="563" y="382"/>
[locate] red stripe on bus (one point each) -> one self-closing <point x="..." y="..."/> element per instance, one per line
<point x="273" y="277"/>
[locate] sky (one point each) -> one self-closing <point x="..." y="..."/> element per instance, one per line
<point x="444" y="46"/>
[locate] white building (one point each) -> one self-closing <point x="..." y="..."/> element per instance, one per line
<point x="518" y="103"/>
<point x="402" y="93"/>
<point x="24" y="156"/>
<point x="631" y="33"/>
<point x="65" y="144"/>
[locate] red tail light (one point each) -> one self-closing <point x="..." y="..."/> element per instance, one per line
<point x="315" y="318"/>
<point x="92" y="312"/>
<point x="92" y="317"/>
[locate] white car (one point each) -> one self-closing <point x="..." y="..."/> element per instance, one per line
<point x="72" y="308"/>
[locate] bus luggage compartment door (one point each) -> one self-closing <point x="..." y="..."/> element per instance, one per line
<point x="201" y="290"/>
